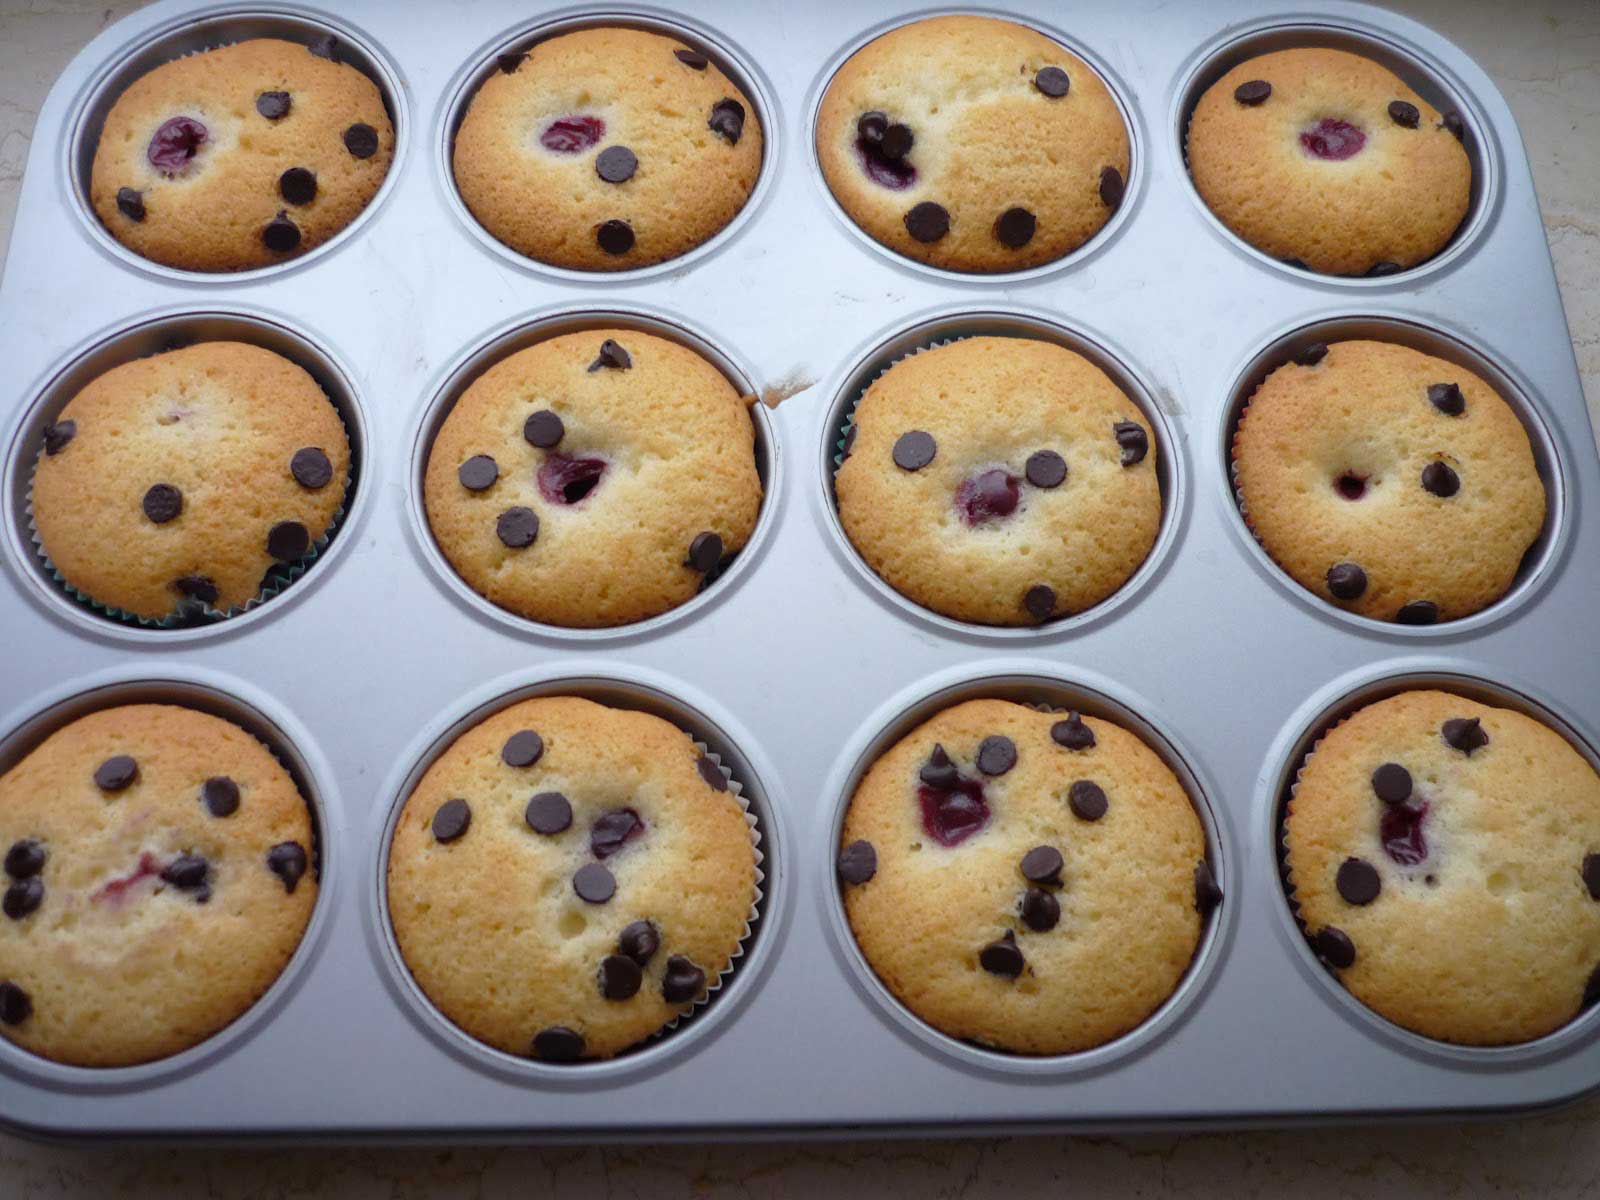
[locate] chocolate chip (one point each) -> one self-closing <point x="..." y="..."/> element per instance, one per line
<point x="1391" y="783"/>
<point x="1111" y="187"/>
<point x="1002" y="957"/>
<point x="1253" y="92"/>
<point x="927" y="222"/>
<point x="324" y="45"/>
<point x="1453" y="122"/>
<point x="896" y="142"/>
<point x="705" y="552"/>
<point x="997" y="754"/>
<point x="1014" y="227"/>
<point x="23" y="897"/>
<point x="57" y="436"/>
<point x="280" y="234"/>
<point x="1207" y="894"/>
<point x="1045" y="469"/>
<point x="870" y="127"/>
<point x="858" y="862"/>
<point x="1464" y="734"/>
<point x="1039" y="601"/>
<point x="1418" y="612"/>
<point x="116" y="773"/>
<point x="914" y="450"/>
<point x="361" y="140"/>
<point x="1346" y="581"/>
<point x="639" y="941"/>
<point x="1135" y="442"/>
<point x="1053" y="82"/>
<point x="220" y="795"/>
<point x="311" y="468"/>
<point x="288" y="541"/>
<point x="544" y="429"/>
<point x="616" y="164"/>
<point x="548" y="813"/>
<point x="478" y="473"/>
<point x="1334" y="947"/>
<point x="1087" y="800"/>
<point x="1441" y="480"/>
<point x="939" y="772"/>
<point x="1072" y="733"/>
<point x="16" y="1006"/>
<point x="287" y="860"/>
<point x="451" y="819"/>
<point x="1311" y="355"/>
<point x="187" y="872"/>
<point x="1447" y="398"/>
<point x="1042" y="864"/>
<point x="558" y="1044"/>
<point x="162" y="503"/>
<point x="130" y="203"/>
<point x="692" y="59"/>
<point x="612" y="355"/>
<point x="612" y="830"/>
<point x="711" y="773"/>
<point x="614" y="236"/>
<point x="620" y="977"/>
<point x="517" y="527"/>
<point x="683" y="980"/>
<point x="1298" y="264"/>
<point x="727" y="119"/>
<point x="26" y="857"/>
<point x="510" y="61"/>
<point x="197" y="587"/>
<point x="1386" y="267"/>
<point x="522" y="749"/>
<point x="1404" y="113"/>
<point x="274" y="106"/>
<point x="297" y="185"/>
<point x="1040" y="910"/>
<point x="1358" y="881"/>
<point x="1591" y="874"/>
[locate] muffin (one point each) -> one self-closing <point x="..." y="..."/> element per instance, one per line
<point x="1329" y="161"/>
<point x="569" y="879"/>
<point x="191" y="479"/>
<point x="606" y="149"/>
<point x="242" y="156"/>
<point x="1000" y="480"/>
<point x="1444" y="856"/>
<point x="594" y="479"/>
<point x="972" y="144"/>
<point x="1394" y="484"/>
<point x="1030" y="881"/>
<point x="160" y="871"/>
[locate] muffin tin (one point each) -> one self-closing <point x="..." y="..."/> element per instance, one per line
<point x="797" y="664"/>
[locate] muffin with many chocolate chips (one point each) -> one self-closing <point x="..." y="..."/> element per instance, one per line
<point x="594" y="479"/>
<point x="1330" y="161"/>
<point x="193" y="478"/>
<point x="1000" y="480"/>
<point x="1031" y="881"/>
<point x="606" y="149"/>
<point x="242" y="156"/>
<point x="159" y="873"/>
<point x="1395" y="484"/>
<point x="1444" y="856"/>
<point x="567" y="879"/>
<point x="973" y="144"/>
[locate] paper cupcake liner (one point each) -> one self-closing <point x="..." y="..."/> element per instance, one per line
<point x="1285" y="875"/>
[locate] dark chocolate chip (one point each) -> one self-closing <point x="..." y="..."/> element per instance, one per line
<point x="1453" y="122"/>
<point x="220" y="795"/>
<point x="639" y="941"/>
<point x="914" y="450"/>
<point x="896" y="142"/>
<point x="130" y="203"/>
<point x="1039" y="601"/>
<point x="548" y="813"/>
<point x="692" y="59"/>
<point x="727" y="119"/>
<point x="927" y="222"/>
<point x="616" y="164"/>
<point x="1447" y="398"/>
<point x="298" y="185"/>
<point x="361" y="140"/>
<point x="1334" y="947"/>
<point x="1040" y="910"/>
<point x="162" y="503"/>
<point x="711" y="773"/>
<point x="1298" y="264"/>
<point x="517" y="527"/>
<point x="324" y="45"/>
<point x="1418" y="612"/>
<point x="871" y="126"/>
<point x="1135" y="442"/>
<point x="274" y="106"/>
<point x="1053" y="82"/>
<point x="1465" y="734"/>
<point x="1312" y="354"/>
<point x="280" y="234"/>
<point x="544" y="429"/>
<point x="311" y="468"/>
<point x="1002" y="957"/>
<point x="116" y="773"/>
<point x="620" y="977"/>
<point x="26" y="857"/>
<point x="23" y="897"/>
<point x="1014" y="227"/>
<point x="187" y="872"/>
<point x="197" y="587"/>
<point x="1111" y="187"/>
<point x="1042" y="864"/>
<point x="594" y="883"/>
<point x="1072" y="733"/>
<point x="16" y="1006"/>
<point x="510" y="61"/>
<point x="287" y="860"/>
<point x="57" y="436"/>
<point x="522" y="749"/>
<point x="1346" y="581"/>
<point x="858" y="862"/>
<point x="1379" y="269"/>
<point x="288" y="541"/>
<point x="1440" y="479"/>
<point x="997" y="754"/>
<point x="478" y="473"/>
<point x="1403" y="113"/>
<point x="1087" y="800"/>
<point x="1045" y="469"/>
<point x="1253" y="92"/>
<point x="451" y="819"/>
<point x="612" y="830"/>
<point x="683" y="980"/>
<point x="1358" y="881"/>
<point x="1391" y="783"/>
<point x="558" y="1044"/>
<point x="611" y="355"/>
<point x="1590" y="870"/>
<point x="705" y="552"/>
<point x="939" y="772"/>
<point x="614" y="236"/>
<point x="1207" y="893"/>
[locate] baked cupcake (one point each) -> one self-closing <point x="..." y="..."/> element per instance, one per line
<point x="1000" y="480"/>
<point x="606" y="149"/>
<point x="242" y="156"/>
<point x="569" y="879"/>
<point x="1444" y="856"/>
<point x="594" y="479"/>
<point x="160" y="871"/>
<point x="1394" y="484"/>
<point x="973" y="144"/>
<point x="1329" y="161"/>
<point x="202" y="477"/>
<point x="1031" y="881"/>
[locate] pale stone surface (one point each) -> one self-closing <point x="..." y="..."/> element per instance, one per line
<point x="1545" y="57"/>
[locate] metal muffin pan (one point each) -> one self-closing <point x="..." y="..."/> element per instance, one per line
<point x="794" y="655"/>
